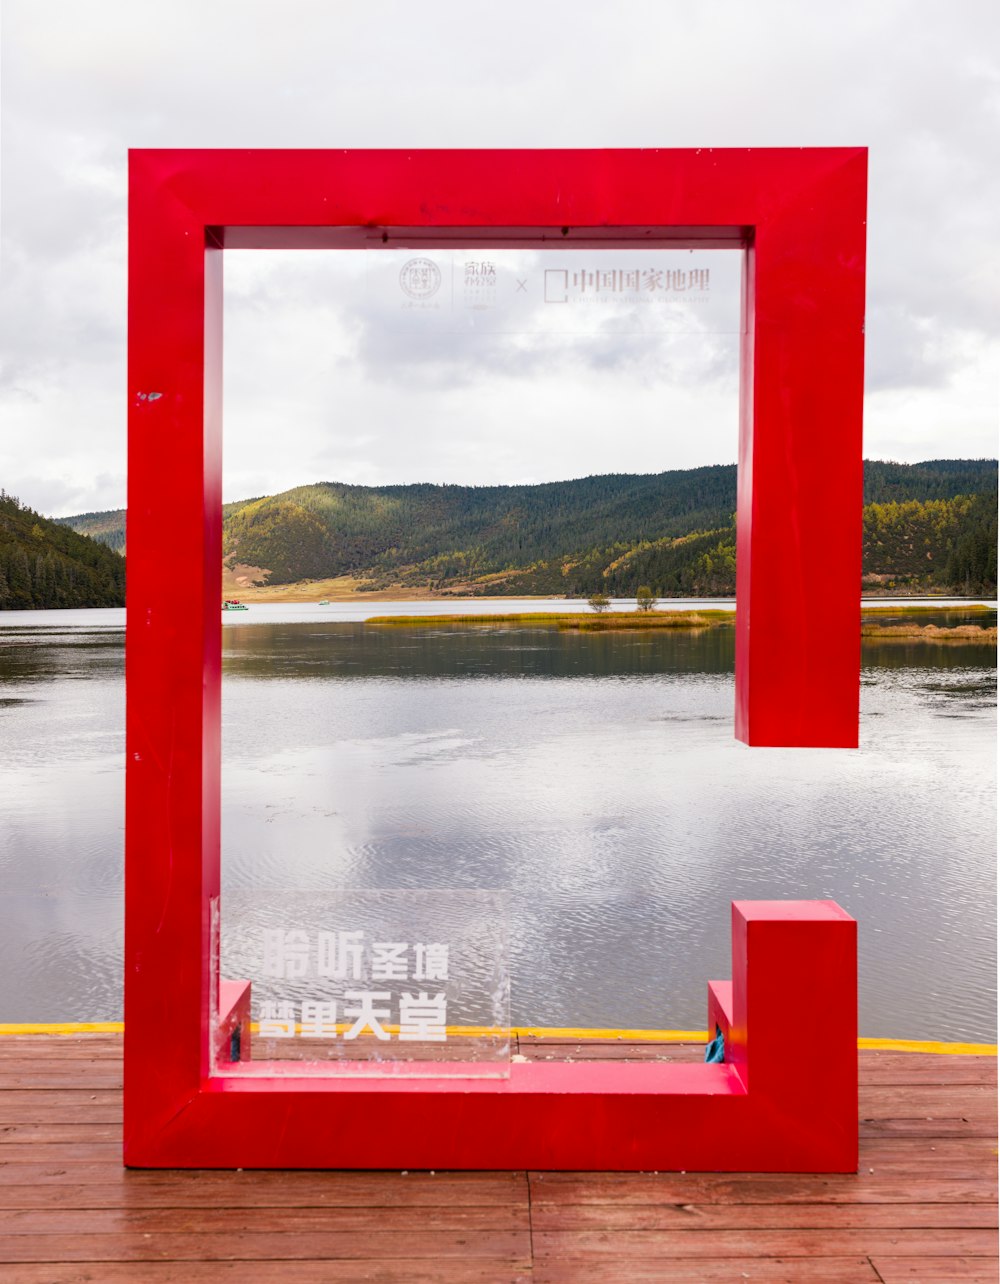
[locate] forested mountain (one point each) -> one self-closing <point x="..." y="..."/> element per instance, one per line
<point x="107" y="528"/>
<point x="927" y="526"/>
<point x="932" y="479"/>
<point x="46" y="564"/>
<point x="910" y="547"/>
<point x="441" y="533"/>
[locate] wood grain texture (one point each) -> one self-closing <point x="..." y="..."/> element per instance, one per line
<point x="328" y="1271"/>
<point x="935" y="1270"/>
<point x="922" y="1207"/>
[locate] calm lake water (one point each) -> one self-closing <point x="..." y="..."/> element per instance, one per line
<point x="595" y="777"/>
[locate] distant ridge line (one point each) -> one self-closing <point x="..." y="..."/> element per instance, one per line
<point x="929" y="527"/>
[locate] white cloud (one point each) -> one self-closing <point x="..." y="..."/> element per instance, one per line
<point x="917" y="82"/>
<point x="367" y="388"/>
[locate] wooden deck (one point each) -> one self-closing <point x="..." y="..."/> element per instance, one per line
<point x="922" y="1208"/>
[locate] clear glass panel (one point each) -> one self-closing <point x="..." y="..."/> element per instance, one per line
<point x="357" y="758"/>
<point x="353" y="982"/>
<point x="553" y="291"/>
<point x="368" y="368"/>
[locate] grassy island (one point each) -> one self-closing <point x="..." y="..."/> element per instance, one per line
<point x="911" y="624"/>
<point x="929" y="632"/>
<point x="569" y="620"/>
<point x="906" y="623"/>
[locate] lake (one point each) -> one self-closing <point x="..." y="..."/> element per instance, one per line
<point x="593" y="776"/>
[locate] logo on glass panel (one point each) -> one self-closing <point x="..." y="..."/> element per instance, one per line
<point x="420" y="278"/>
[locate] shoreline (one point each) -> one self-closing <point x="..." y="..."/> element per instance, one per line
<point x="344" y="589"/>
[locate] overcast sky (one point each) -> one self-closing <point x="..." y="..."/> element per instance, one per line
<point x="328" y="377"/>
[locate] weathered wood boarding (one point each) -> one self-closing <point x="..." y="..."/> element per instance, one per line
<point x="922" y="1208"/>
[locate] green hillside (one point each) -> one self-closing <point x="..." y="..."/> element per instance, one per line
<point x="438" y="534"/>
<point x="107" y="528"/>
<point x="46" y="564"/>
<point x="927" y="527"/>
<point x="910" y="547"/>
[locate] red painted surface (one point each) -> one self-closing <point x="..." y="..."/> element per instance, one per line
<point x="786" y="1100"/>
<point x="801" y="215"/>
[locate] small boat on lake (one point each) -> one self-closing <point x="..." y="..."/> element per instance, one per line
<point x="325" y="601"/>
<point x="234" y="604"/>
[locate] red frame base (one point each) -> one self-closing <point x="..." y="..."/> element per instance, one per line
<point x="769" y="1108"/>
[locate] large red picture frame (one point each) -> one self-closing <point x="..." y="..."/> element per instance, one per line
<point x="799" y="217"/>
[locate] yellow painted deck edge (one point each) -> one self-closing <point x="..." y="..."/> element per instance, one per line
<point x="917" y="1045"/>
<point x="65" y="1027"/>
<point x="558" y="1032"/>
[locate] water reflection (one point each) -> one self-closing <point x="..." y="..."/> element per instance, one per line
<point x="618" y="810"/>
<point x="368" y="651"/>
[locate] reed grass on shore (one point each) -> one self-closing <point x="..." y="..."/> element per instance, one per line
<point x="545" y="618"/>
<point x="928" y="633"/>
<point x="617" y="621"/>
<point x="648" y="620"/>
<point x="568" y="620"/>
<point x="977" y="607"/>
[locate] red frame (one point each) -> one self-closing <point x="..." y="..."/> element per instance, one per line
<point x="800" y="216"/>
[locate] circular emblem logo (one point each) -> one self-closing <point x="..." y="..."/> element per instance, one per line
<point x="420" y="278"/>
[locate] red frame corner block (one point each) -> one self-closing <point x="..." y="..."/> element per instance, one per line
<point x="799" y="217"/>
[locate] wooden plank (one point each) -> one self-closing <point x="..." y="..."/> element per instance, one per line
<point x="254" y="1246"/>
<point x="60" y="1105"/>
<point x="927" y="1128"/>
<point x="41" y="1081"/>
<point x="574" y="1269"/>
<point x="718" y="1244"/>
<point x="897" y="1057"/>
<point x="760" y="1188"/>
<point x="500" y="1270"/>
<point x="772" y="1216"/>
<point x="913" y="1149"/>
<point x="283" y="1186"/>
<point x="902" y="1167"/>
<point x="372" y="1221"/>
<point x="10" y="1058"/>
<point x="936" y="1270"/>
<point x="51" y="1074"/>
<point x="67" y="1047"/>
<point x="945" y="1157"/>
<point x="14" y="1135"/>
<point x="905" y="1067"/>
<point x="77" y="1152"/>
<point x="234" y="1194"/>
<point x="776" y="1188"/>
<point x="927" y="1101"/>
<point x="944" y="1077"/>
<point x="243" y="1191"/>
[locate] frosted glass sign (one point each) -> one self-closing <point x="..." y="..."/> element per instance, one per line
<point x="561" y="290"/>
<point x="362" y="982"/>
